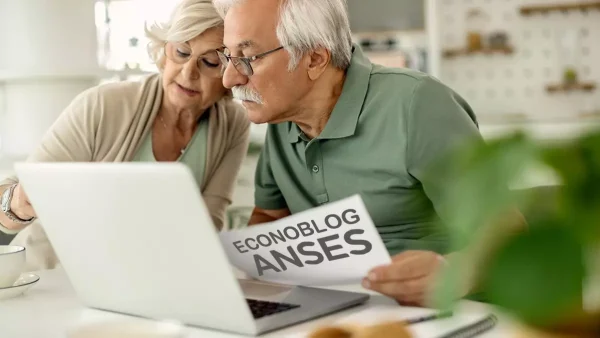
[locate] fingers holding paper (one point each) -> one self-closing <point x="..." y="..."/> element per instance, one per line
<point x="405" y="292"/>
<point x="408" y="278"/>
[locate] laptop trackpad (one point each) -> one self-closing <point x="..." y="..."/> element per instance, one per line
<point x="264" y="291"/>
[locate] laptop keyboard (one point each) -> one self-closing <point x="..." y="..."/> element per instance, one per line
<point x="261" y="308"/>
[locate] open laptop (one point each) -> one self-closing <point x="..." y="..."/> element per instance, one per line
<point x="136" y="238"/>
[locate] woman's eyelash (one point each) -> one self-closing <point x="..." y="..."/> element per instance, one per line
<point x="183" y="54"/>
<point x="210" y="64"/>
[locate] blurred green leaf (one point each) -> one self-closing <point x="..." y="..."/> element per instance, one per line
<point x="445" y="293"/>
<point x="538" y="275"/>
<point x="578" y="165"/>
<point x="476" y="191"/>
<point x="479" y="188"/>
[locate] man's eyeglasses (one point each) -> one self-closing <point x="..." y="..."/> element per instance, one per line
<point x="242" y="64"/>
<point x="208" y="64"/>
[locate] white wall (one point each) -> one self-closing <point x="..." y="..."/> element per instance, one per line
<point x="48" y="57"/>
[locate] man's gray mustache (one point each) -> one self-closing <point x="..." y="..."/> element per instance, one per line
<point x="246" y="94"/>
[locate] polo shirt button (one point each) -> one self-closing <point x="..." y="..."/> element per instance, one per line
<point x="315" y="168"/>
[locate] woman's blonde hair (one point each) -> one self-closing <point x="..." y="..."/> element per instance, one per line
<point x="189" y="19"/>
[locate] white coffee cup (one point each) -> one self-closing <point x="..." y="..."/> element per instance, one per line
<point x="12" y="262"/>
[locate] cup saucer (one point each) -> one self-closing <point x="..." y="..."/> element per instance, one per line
<point x="24" y="282"/>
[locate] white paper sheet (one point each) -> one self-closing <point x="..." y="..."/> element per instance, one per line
<point x="335" y="243"/>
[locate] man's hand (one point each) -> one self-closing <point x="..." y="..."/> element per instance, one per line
<point x="408" y="279"/>
<point x="20" y="204"/>
<point x="260" y="216"/>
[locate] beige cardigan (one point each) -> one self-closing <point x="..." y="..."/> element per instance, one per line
<point x="107" y="123"/>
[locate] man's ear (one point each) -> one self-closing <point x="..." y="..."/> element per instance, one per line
<point x="318" y="61"/>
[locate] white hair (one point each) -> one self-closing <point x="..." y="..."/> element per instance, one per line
<point x="305" y="25"/>
<point x="189" y="19"/>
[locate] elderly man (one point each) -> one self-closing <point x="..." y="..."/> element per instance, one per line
<point x="340" y="125"/>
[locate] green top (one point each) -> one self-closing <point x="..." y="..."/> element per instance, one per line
<point x="194" y="155"/>
<point x="385" y="130"/>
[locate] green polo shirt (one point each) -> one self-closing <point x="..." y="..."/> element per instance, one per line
<point x="387" y="128"/>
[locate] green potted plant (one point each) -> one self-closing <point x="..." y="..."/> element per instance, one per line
<point x="544" y="276"/>
<point x="570" y="76"/>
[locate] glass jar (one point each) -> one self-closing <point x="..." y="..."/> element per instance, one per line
<point x="475" y="23"/>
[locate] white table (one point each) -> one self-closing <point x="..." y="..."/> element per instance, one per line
<point x="51" y="308"/>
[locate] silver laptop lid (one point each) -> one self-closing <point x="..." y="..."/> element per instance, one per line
<point x="137" y="238"/>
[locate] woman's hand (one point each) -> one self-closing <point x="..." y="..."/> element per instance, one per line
<point x="20" y="204"/>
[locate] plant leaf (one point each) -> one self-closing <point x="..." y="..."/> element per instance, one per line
<point x="479" y="188"/>
<point x="538" y="275"/>
<point x="578" y="164"/>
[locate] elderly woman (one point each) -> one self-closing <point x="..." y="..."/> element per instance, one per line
<point x="181" y="114"/>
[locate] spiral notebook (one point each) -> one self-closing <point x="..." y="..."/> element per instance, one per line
<point x="460" y="325"/>
<point x="474" y="329"/>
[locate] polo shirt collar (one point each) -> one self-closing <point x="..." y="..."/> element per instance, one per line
<point x="344" y="118"/>
<point x="294" y="133"/>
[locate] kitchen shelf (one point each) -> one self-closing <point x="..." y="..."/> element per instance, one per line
<point x="544" y="9"/>
<point x="450" y="53"/>
<point x="563" y="87"/>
